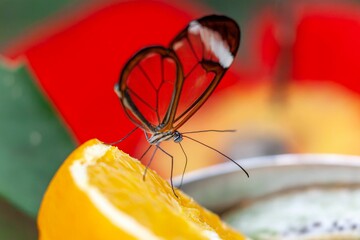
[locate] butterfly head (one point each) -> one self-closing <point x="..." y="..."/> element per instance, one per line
<point x="177" y="137"/>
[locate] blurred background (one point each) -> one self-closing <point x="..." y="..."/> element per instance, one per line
<point x="294" y="87"/>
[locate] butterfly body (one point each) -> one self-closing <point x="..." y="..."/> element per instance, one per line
<point x="159" y="137"/>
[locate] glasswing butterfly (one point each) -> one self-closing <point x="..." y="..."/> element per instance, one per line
<point x="160" y="88"/>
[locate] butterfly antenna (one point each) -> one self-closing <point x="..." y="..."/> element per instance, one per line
<point x="172" y="170"/>
<point x="151" y="159"/>
<point x="125" y="137"/>
<point x="210" y="130"/>
<point x="219" y="153"/>
<point x="184" y="170"/>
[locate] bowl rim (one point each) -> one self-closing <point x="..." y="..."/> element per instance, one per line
<point x="221" y="186"/>
<point x="307" y="159"/>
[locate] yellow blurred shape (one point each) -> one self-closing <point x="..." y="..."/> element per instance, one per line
<point x="99" y="193"/>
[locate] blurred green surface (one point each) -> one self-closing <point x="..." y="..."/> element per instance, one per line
<point x="240" y="10"/>
<point x="18" y="17"/>
<point x="15" y="225"/>
<point x="33" y="141"/>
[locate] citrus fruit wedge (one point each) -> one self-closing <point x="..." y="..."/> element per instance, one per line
<point x="99" y="193"/>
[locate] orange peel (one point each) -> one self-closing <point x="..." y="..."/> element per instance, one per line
<point x="99" y="193"/>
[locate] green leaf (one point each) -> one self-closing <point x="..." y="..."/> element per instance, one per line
<point x="33" y="141"/>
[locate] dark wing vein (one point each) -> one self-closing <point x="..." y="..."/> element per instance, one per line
<point x="157" y="91"/>
<point x="191" y="70"/>
<point x="139" y="98"/>
<point x="192" y="48"/>
<point x="146" y="76"/>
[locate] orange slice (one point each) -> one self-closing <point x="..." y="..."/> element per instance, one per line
<point x="99" y="193"/>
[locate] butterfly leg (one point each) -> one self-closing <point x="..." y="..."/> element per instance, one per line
<point x="184" y="170"/>
<point x="172" y="169"/>
<point x="125" y="137"/>
<point x="150" y="161"/>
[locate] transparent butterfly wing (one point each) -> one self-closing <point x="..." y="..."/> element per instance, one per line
<point x="149" y="88"/>
<point x="206" y="48"/>
<point x="161" y="88"/>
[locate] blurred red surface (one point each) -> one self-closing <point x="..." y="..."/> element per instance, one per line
<point x="324" y="42"/>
